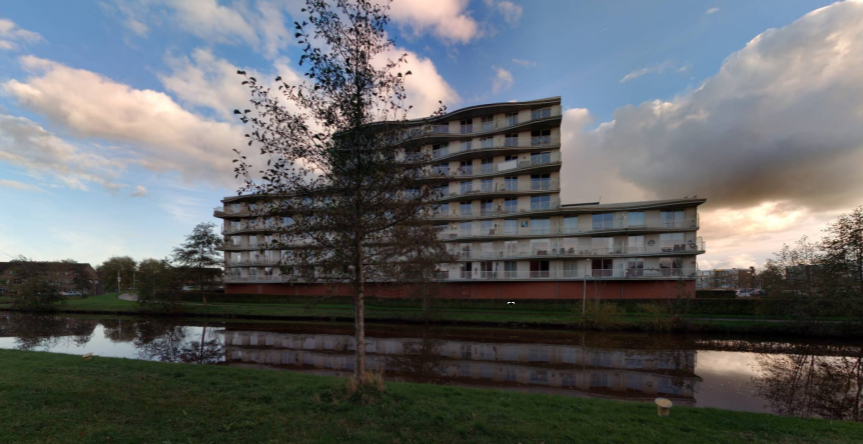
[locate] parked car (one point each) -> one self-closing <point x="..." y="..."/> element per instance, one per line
<point x="70" y="293"/>
<point x="744" y="292"/>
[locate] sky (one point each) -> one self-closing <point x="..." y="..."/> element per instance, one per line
<point x="116" y="132"/>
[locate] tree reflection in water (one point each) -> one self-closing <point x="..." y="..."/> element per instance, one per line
<point x="420" y="360"/>
<point x="34" y="331"/>
<point x="807" y="383"/>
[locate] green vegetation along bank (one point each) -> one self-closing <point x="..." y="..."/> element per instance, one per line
<point x="530" y="314"/>
<point x="65" y="399"/>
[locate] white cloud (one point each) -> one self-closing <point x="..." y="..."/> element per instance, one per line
<point x="525" y="63"/>
<point x="712" y="11"/>
<point x="11" y="35"/>
<point x="658" y="69"/>
<point x="510" y="11"/>
<point x="448" y="20"/>
<point x="140" y="191"/>
<point x="15" y="185"/>
<point x="164" y="136"/>
<point x="425" y="87"/>
<point x="502" y="81"/>
<point x="25" y="144"/>
<point x="773" y="140"/>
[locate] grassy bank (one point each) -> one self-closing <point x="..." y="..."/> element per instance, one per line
<point x="60" y="398"/>
<point x="505" y="317"/>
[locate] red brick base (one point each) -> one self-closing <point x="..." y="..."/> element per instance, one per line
<point x="494" y="290"/>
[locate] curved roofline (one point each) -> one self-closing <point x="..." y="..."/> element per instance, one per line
<point x="450" y="115"/>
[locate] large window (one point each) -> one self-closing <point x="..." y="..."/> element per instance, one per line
<point x="487" y="165"/>
<point x="670" y="242"/>
<point x="486" y="228"/>
<point x="466" y="208"/>
<point x="488" y="269"/>
<point x="486" y="142"/>
<point x="540" y="182"/>
<point x="510" y="183"/>
<point x="441" y="169"/>
<point x="635" y="245"/>
<point x="570" y="224"/>
<point x="540" y="247"/>
<point x="466" y="270"/>
<point x="510" y="140"/>
<point x="466" y="145"/>
<point x="540" y="138"/>
<point x="510" y="226"/>
<point x="672" y="219"/>
<point x="539" y="269"/>
<point x="671" y="266"/>
<point x="510" y="205"/>
<point x="466" y="168"/>
<point x="540" y="158"/>
<point x="440" y="150"/>
<point x="570" y="269"/>
<point x="604" y="221"/>
<point x="466" y="126"/>
<point x="487" y="250"/>
<point x="442" y="209"/>
<point x="602" y="245"/>
<point x="487" y="185"/>
<point x="510" y="269"/>
<point x="602" y="268"/>
<point x="486" y="208"/>
<point x="464" y="250"/>
<point x="465" y="229"/>
<point x="540" y="226"/>
<point x="539" y="203"/>
<point x="540" y="113"/>
<point x="636" y="219"/>
<point x="510" y="248"/>
<point x="634" y="267"/>
<point x="511" y="119"/>
<point x="488" y="123"/>
<point x="467" y="187"/>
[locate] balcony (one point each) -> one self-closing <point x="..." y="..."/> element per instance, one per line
<point x="644" y="226"/>
<point x="594" y="274"/>
<point x="495" y="124"/>
<point x="497" y="143"/>
<point x="509" y="167"/>
<point x="556" y="251"/>
<point x="503" y="187"/>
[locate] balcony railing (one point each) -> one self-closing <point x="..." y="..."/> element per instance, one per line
<point x="497" y="143"/>
<point x="646" y="225"/>
<point x="594" y="274"/>
<point x="502" y="186"/>
<point x="496" y="124"/>
<point x="555" y="251"/>
<point x="500" y="167"/>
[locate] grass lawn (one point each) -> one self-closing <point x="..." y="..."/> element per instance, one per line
<point x="53" y="398"/>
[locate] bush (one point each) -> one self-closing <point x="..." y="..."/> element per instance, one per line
<point x="600" y="316"/>
<point x="715" y="294"/>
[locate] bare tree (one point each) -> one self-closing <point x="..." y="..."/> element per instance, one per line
<point x="344" y="173"/>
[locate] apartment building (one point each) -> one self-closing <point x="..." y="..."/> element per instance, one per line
<point x="497" y="171"/>
<point x="66" y="276"/>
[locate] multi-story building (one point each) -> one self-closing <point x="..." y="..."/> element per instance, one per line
<point x="66" y="276"/>
<point x="497" y="168"/>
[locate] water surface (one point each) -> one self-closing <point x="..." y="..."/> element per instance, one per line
<point x="788" y="377"/>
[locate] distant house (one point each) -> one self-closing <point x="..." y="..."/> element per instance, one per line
<point x="728" y="279"/>
<point x="66" y="276"/>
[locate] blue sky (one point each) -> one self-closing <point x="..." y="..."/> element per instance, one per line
<point x="138" y="156"/>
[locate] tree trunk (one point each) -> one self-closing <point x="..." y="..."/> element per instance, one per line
<point x="359" y="288"/>
<point x="201" y="350"/>
<point x="201" y="278"/>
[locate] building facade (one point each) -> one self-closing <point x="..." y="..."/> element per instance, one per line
<point x="497" y="170"/>
<point x="65" y="276"/>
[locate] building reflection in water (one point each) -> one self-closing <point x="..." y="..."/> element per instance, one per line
<point x="551" y="368"/>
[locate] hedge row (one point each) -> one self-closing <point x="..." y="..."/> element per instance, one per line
<point x="790" y="307"/>
<point x="715" y="294"/>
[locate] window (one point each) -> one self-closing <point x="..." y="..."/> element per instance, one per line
<point x="510" y="226"/>
<point x="487" y="249"/>
<point x="539" y="203"/>
<point x="466" y="187"/>
<point x="604" y="221"/>
<point x="465" y="251"/>
<point x="539" y="269"/>
<point x="540" y="226"/>
<point x="486" y="228"/>
<point x="570" y="224"/>
<point x="602" y="268"/>
<point x="671" y="266"/>
<point x="540" y="113"/>
<point x="236" y="208"/>
<point x="488" y="123"/>
<point x="440" y="151"/>
<point x="236" y="241"/>
<point x="486" y="208"/>
<point x="466" y="126"/>
<point x="540" y="138"/>
<point x="635" y="245"/>
<point x="510" y="140"/>
<point x="488" y="269"/>
<point x="511" y="119"/>
<point x="487" y="185"/>
<point x="487" y="166"/>
<point x="510" y="268"/>
<point x="636" y="219"/>
<point x="466" y="145"/>
<point x="510" y="183"/>
<point x="510" y="248"/>
<point x="466" y="208"/>
<point x="486" y="142"/>
<point x="465" y="229"/>
<point x="601" y="245"/>
<point x="466" y="168"/>
<point x="540" y="182"/>
<point x="671" y="219"/>
<point x="441" y="169"/>
<point x="539" y="247"/>
<point x="570" y="269"/>
<point x="235" y="225"/>
<point x="510" y="205"/>
<point x="540" y="158"/>
<point x="413" y="154"/>
<point x="442" y="190"/>
<point x="672" y="242"/>
<point x="509" y="158"/>
<point x="466" y="269"/>
<point x="634" y="267"/>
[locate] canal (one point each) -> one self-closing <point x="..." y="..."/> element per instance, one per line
<point x="808" y="378"/>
